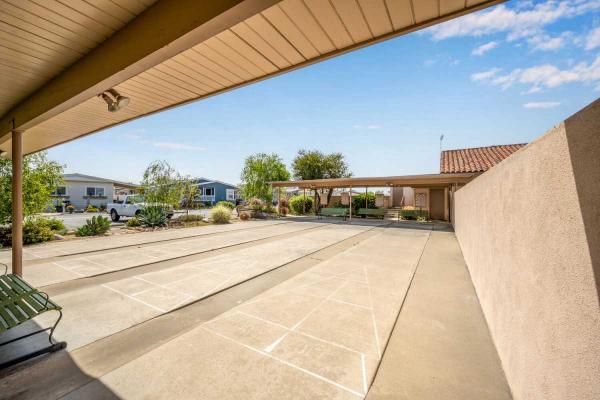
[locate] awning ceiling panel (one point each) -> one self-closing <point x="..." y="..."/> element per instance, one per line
<point x="287" y="35"/>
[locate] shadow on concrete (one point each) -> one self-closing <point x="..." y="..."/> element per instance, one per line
<point x="583" y="141"/>
<point x="49" y="376"/>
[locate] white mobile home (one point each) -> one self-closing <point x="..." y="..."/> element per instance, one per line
<point x="82" y="190"/>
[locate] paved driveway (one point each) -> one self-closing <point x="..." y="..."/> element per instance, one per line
<point x="75" y="220"/>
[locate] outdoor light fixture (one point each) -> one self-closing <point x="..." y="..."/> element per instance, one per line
<point x="114" y="100"/>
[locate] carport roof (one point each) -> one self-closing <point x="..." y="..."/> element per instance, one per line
<point x="428" y="180"/>
<point x="56" y="59"/>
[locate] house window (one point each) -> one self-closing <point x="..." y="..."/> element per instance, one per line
<point x="94" y="191"/>
<point x="230" y="194"/>
<point x="60" y="191"/>
<point x="209" y="191"/>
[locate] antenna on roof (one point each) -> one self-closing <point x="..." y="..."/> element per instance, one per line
<point x="441" y="139"/>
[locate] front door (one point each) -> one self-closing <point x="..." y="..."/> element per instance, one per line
<point x="436" y="204"/>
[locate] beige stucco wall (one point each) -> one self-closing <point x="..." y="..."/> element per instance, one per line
<point x="529" y="229"/>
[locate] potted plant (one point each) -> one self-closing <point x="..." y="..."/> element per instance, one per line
<point x="70" y="208"/>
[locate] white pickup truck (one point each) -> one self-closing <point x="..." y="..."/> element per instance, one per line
<point x="131" y="206"/>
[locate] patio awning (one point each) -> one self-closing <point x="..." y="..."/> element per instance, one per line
<point x="430" y="180"/>
<point x="55" y="59"/>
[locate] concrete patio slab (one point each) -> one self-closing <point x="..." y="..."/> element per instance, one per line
<point x="321" y="346"/>
<point x="62" y="248"/>
<point x="167" y="289"/>
<point x="78" y="266"/>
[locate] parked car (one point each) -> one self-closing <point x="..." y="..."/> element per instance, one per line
<point x="131" y="206"/>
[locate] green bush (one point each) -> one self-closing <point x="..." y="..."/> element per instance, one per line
<point x="96" y="225"/>
<point x="227" y="204"/>
<point x="91" y="208"/>
<point x="358" y="201"/>
<point x="36" y="231"/>
<point x="269" y="209"/>
<point x="300" y="203"/>
<point x="153" y="216"/>
<point x="133" y="222"/>
<point x="220" y="215"/>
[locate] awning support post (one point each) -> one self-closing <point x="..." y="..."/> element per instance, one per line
<point x="350" y="211"/>
<point x="17" y="202"/>
<point x="304" y="203"/>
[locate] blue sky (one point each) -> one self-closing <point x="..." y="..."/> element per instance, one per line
<point x="504" y="75"/>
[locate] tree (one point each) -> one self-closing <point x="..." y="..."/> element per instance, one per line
<point x="259" y="170"/>
<point x="161" y="184"/>
<point x="40" y="178"/>
<point x="317" y="165"/>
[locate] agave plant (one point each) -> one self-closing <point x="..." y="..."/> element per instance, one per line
<point x="153" y="216"/>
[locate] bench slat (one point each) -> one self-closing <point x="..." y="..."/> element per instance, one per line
<point x="10" y="321"/>
<point x="16" y="312"/>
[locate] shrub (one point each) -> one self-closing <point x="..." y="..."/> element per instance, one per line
<point x="153" y="216"/>
<point x="220" y="215"/>
<point x="256" y="204"/>
<point x="91" y="208"/>
<point x="54" y="224"/>
<point x="96" y="225"/>
<point x="359" y="202"/>
<point x="300" y="203"/>
<point x="133" y="222"/>
<point x="102" y="207"/>
<point x="227" y="204"/>
<point x="284" y="210"/>
<point x="190" y="218"/>
<point x="36" y="231"/>
<point x="269" y="209"/>
<point x="244" y="216"/>
<point x="284" y="203"/>
<point x="70" y="208"/>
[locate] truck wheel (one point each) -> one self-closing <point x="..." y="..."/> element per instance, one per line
<point x="114" y="216"/>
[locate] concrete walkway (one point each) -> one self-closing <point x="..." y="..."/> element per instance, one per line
<point x="441" y="347"/>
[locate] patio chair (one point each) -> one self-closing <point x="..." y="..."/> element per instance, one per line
<point x="20" y="302"/>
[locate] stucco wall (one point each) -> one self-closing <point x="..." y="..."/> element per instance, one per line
<point x="529" y="229"/>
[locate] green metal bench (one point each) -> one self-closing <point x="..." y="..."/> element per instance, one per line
<point x="20" y="302"/>
<point x="372" y="212"/>
<point x="333" y="212"/>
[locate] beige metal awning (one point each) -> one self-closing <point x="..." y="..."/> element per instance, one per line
<point x="57" y="56"/>
<point x="427" y="180"/>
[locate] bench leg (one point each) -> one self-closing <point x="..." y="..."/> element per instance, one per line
<point x="54" y="346"/>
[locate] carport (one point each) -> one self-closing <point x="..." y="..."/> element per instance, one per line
<point x="427" y="184"/>
<point x="67" y="72"/>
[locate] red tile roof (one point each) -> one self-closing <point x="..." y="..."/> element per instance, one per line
<point x="478" y="159"/>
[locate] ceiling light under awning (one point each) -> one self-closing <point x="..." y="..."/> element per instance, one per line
<point x="114" y="100"/>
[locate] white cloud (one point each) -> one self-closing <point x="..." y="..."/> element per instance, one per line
<point x="542" y="104"/>
<point x="592" y="40"/>
<point x="484" y="48"/>
<point x="165" y="145"/>
<point x="545" y="42"/>
<point x="370" y="127"/>
<point x="526" y="20"/>
<point x="485" y="75"/>
<point x="546" y="75"/>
